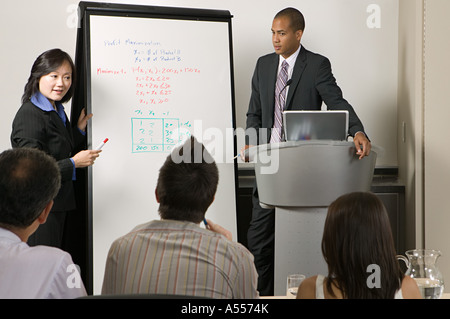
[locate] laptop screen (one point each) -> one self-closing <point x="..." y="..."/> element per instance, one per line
<point x="315" y="125"/>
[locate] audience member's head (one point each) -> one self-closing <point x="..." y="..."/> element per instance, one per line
<point x="187" y="183"/>
<point x="29" y="181"/>
<point x="357" y="234"/>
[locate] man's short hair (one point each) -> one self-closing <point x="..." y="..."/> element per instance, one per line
<point x="29" y="180"/>
<point x="295" y="16"/>
<point x="187" y="183"/>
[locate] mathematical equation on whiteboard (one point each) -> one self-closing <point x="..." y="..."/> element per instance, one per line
<point x="152" y="68"/>
<point x="157" y="134"/>
<point x="152" y="86"/>
<point x="151" y="75"/>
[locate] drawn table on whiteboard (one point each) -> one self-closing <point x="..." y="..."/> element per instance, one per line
<point x="156" y="134"/>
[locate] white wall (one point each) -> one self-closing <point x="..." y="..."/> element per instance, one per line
<point x="410" y="117"/>
<point x="364" y="59"/>
<point x="27" y="29"/>
<point x="437" y="131"/>
<point x="424" y="110"/>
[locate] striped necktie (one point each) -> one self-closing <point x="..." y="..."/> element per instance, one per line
<point x="280" y="101"/>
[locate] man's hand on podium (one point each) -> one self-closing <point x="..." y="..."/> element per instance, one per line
<point x="362" y="144"/>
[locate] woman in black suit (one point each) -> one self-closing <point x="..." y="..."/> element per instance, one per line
<point x="42" y="123"/>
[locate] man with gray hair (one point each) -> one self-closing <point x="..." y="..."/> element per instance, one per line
<point x="29" y="181"/>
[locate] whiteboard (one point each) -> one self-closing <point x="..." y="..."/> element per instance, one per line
<point x="152" y="83"/>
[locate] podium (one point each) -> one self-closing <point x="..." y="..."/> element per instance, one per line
<point x="300" y="180"/>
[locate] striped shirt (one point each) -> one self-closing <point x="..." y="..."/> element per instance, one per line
<point x="179" y="258"/>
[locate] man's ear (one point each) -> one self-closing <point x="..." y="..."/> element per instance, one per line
<point x="156" y="195"/>
<point x="43" y="216"/>
<point x="299" y="34"/>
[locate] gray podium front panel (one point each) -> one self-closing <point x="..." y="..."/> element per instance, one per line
<point x="298" y="238"/>
<point x="310" y="173"/>
<point x="301" y="179"/>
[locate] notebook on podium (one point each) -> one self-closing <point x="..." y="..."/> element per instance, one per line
<point x="315" y="125"/>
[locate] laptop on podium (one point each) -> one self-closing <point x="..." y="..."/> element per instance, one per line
<point x="315" y="125"/>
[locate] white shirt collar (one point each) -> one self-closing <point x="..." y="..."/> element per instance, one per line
<point x="8" y="235"/>
<point x="290" y="60"/>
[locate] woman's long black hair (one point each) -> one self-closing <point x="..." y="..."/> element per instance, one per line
<point x="46" y="63"/>
<point x="357" y="234"/>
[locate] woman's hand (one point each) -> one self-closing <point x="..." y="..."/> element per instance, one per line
<point x="83" y="119"/>
<point x="85" y="158"/>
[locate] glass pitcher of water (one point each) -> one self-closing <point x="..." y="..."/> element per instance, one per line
<point x="422" y="267"/>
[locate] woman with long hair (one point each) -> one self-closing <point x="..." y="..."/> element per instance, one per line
<point x="359" y="250"/>
<point x="42" y="123"/>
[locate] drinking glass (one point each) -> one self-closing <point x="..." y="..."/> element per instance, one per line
<point x="293" y="281"/>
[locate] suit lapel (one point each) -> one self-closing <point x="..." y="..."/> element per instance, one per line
<point x="299" y="67"/>
<point x="63" y="128"/>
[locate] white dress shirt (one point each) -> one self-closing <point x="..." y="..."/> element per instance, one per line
<point x="39" y="272"/>
<point x="291" y="61"/>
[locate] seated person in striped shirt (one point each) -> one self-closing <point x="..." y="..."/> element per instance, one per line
<point x="174" y="255"/>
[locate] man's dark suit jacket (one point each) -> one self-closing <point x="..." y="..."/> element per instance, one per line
<point x="312" y="83"/>
<point x="35" y="128"/>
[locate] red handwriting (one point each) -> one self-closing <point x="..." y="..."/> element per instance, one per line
<point x="153" y="84"/>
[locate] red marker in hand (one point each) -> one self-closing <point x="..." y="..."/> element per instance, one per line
<point x="102" y="144"/>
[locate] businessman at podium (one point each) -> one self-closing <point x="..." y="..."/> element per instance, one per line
<point x="291" y="78"/>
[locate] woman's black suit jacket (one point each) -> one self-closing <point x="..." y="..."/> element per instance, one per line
<point x="35" y="128"/>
